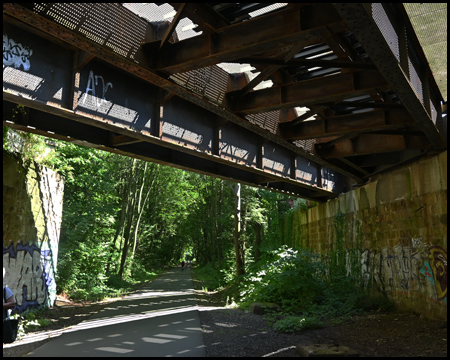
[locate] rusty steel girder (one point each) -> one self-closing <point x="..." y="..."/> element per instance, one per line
<point x="101" y="106"/>
<point x="359" y="18"/>
<point x="340" y="97"/>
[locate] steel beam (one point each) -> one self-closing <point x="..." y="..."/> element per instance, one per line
<point x="202" y="15"/>
<point x="309" y="92"/>
<point x="245" y="39"/>
<point x="308" y="63"/>
<point x="172" y="25"/>
<point x="269" y="70"/>
<point x="120" y="112"/>
<point x="132" y="67"/>
<point x="367" y="144"/>
<point x="340" y="125"/>
<point x="87" y="134"/>
<point x="358" y="17"/>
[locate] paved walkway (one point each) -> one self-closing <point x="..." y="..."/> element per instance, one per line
<point x="159" y="320"/>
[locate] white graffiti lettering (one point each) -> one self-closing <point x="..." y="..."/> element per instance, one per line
<point x="24" y="273"/>
<point x="93" y="81"/>
<point x="16" y="55"/>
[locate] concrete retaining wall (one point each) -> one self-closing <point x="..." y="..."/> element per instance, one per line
<point x="32" y="209"/>
<point x="396" y="226"/>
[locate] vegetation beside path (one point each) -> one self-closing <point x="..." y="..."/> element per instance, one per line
<point x="308" y="292"/>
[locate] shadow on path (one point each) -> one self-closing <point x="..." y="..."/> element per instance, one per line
<point x="160" y="319"/>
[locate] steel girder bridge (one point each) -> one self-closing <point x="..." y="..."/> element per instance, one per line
<point x="308" y="99"/>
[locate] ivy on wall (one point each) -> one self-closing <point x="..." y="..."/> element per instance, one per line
<point x="343" y="251"/>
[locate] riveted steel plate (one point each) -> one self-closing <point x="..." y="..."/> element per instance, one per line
<point x="35" y="68"/>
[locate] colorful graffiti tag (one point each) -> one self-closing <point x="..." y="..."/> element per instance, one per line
<point x="29" y="271"/>
<point x="419" y="268"/>
<point x="438" y="265"/>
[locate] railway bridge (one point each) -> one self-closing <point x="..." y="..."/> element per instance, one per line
<point x="308" y="99"/>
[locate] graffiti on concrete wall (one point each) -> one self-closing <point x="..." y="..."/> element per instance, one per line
<point x="32" y="210"/>
<point x="418" y="268"/>
<point x="28" y="270"/>
<point x="365" y="266"/>
<point x="400" y="268"/>
<point x="435" y="270"/>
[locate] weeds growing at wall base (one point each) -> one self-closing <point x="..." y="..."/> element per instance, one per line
<point x="309" y="294"/>
<point x="31" y="320"/>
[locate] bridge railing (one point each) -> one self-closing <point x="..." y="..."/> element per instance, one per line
<point x="403" y="42"/>
<point x="387" y="36"/>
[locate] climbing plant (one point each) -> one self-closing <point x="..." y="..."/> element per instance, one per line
<point x="337" y="250"/>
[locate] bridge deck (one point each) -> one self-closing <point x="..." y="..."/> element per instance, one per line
<point x="136" y="79"/>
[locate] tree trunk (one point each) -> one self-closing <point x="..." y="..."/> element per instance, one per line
<point x="141" y="203"/>
<point x="257" y="227"/>
<point x="130" y="217"/>
<point x="240" y="265"/>
<point x="243" y="239"/>
<point x="125" y="249"/>
<point x="213" y="224"/>
<point x="219" y="227"/>
<point x="119" y="230"/>
<point x="136" y="207"/>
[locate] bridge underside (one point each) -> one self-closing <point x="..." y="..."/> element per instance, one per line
<point x="341" y="106"/>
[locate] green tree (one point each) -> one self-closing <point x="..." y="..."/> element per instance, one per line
<point x="139" y="186"/>
<point x="89" y="211"/>
<point x="123" y="217"/>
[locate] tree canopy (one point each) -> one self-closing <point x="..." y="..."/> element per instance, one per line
<point x="124" y="218"/>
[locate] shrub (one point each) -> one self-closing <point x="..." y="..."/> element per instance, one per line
<point x="286" y="277"/>
<point x="211" y="278"/>
<point x="302" y="285"/>
<point x="116" y="282"/>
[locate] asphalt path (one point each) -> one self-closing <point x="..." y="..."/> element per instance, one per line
<point x="158" y="320"/>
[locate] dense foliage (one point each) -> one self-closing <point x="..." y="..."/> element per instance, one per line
<point x="125" y="220"/>
<point x="290" y="278"/>
<point x="300" y="282"/>
<point x="310" y="291"/>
